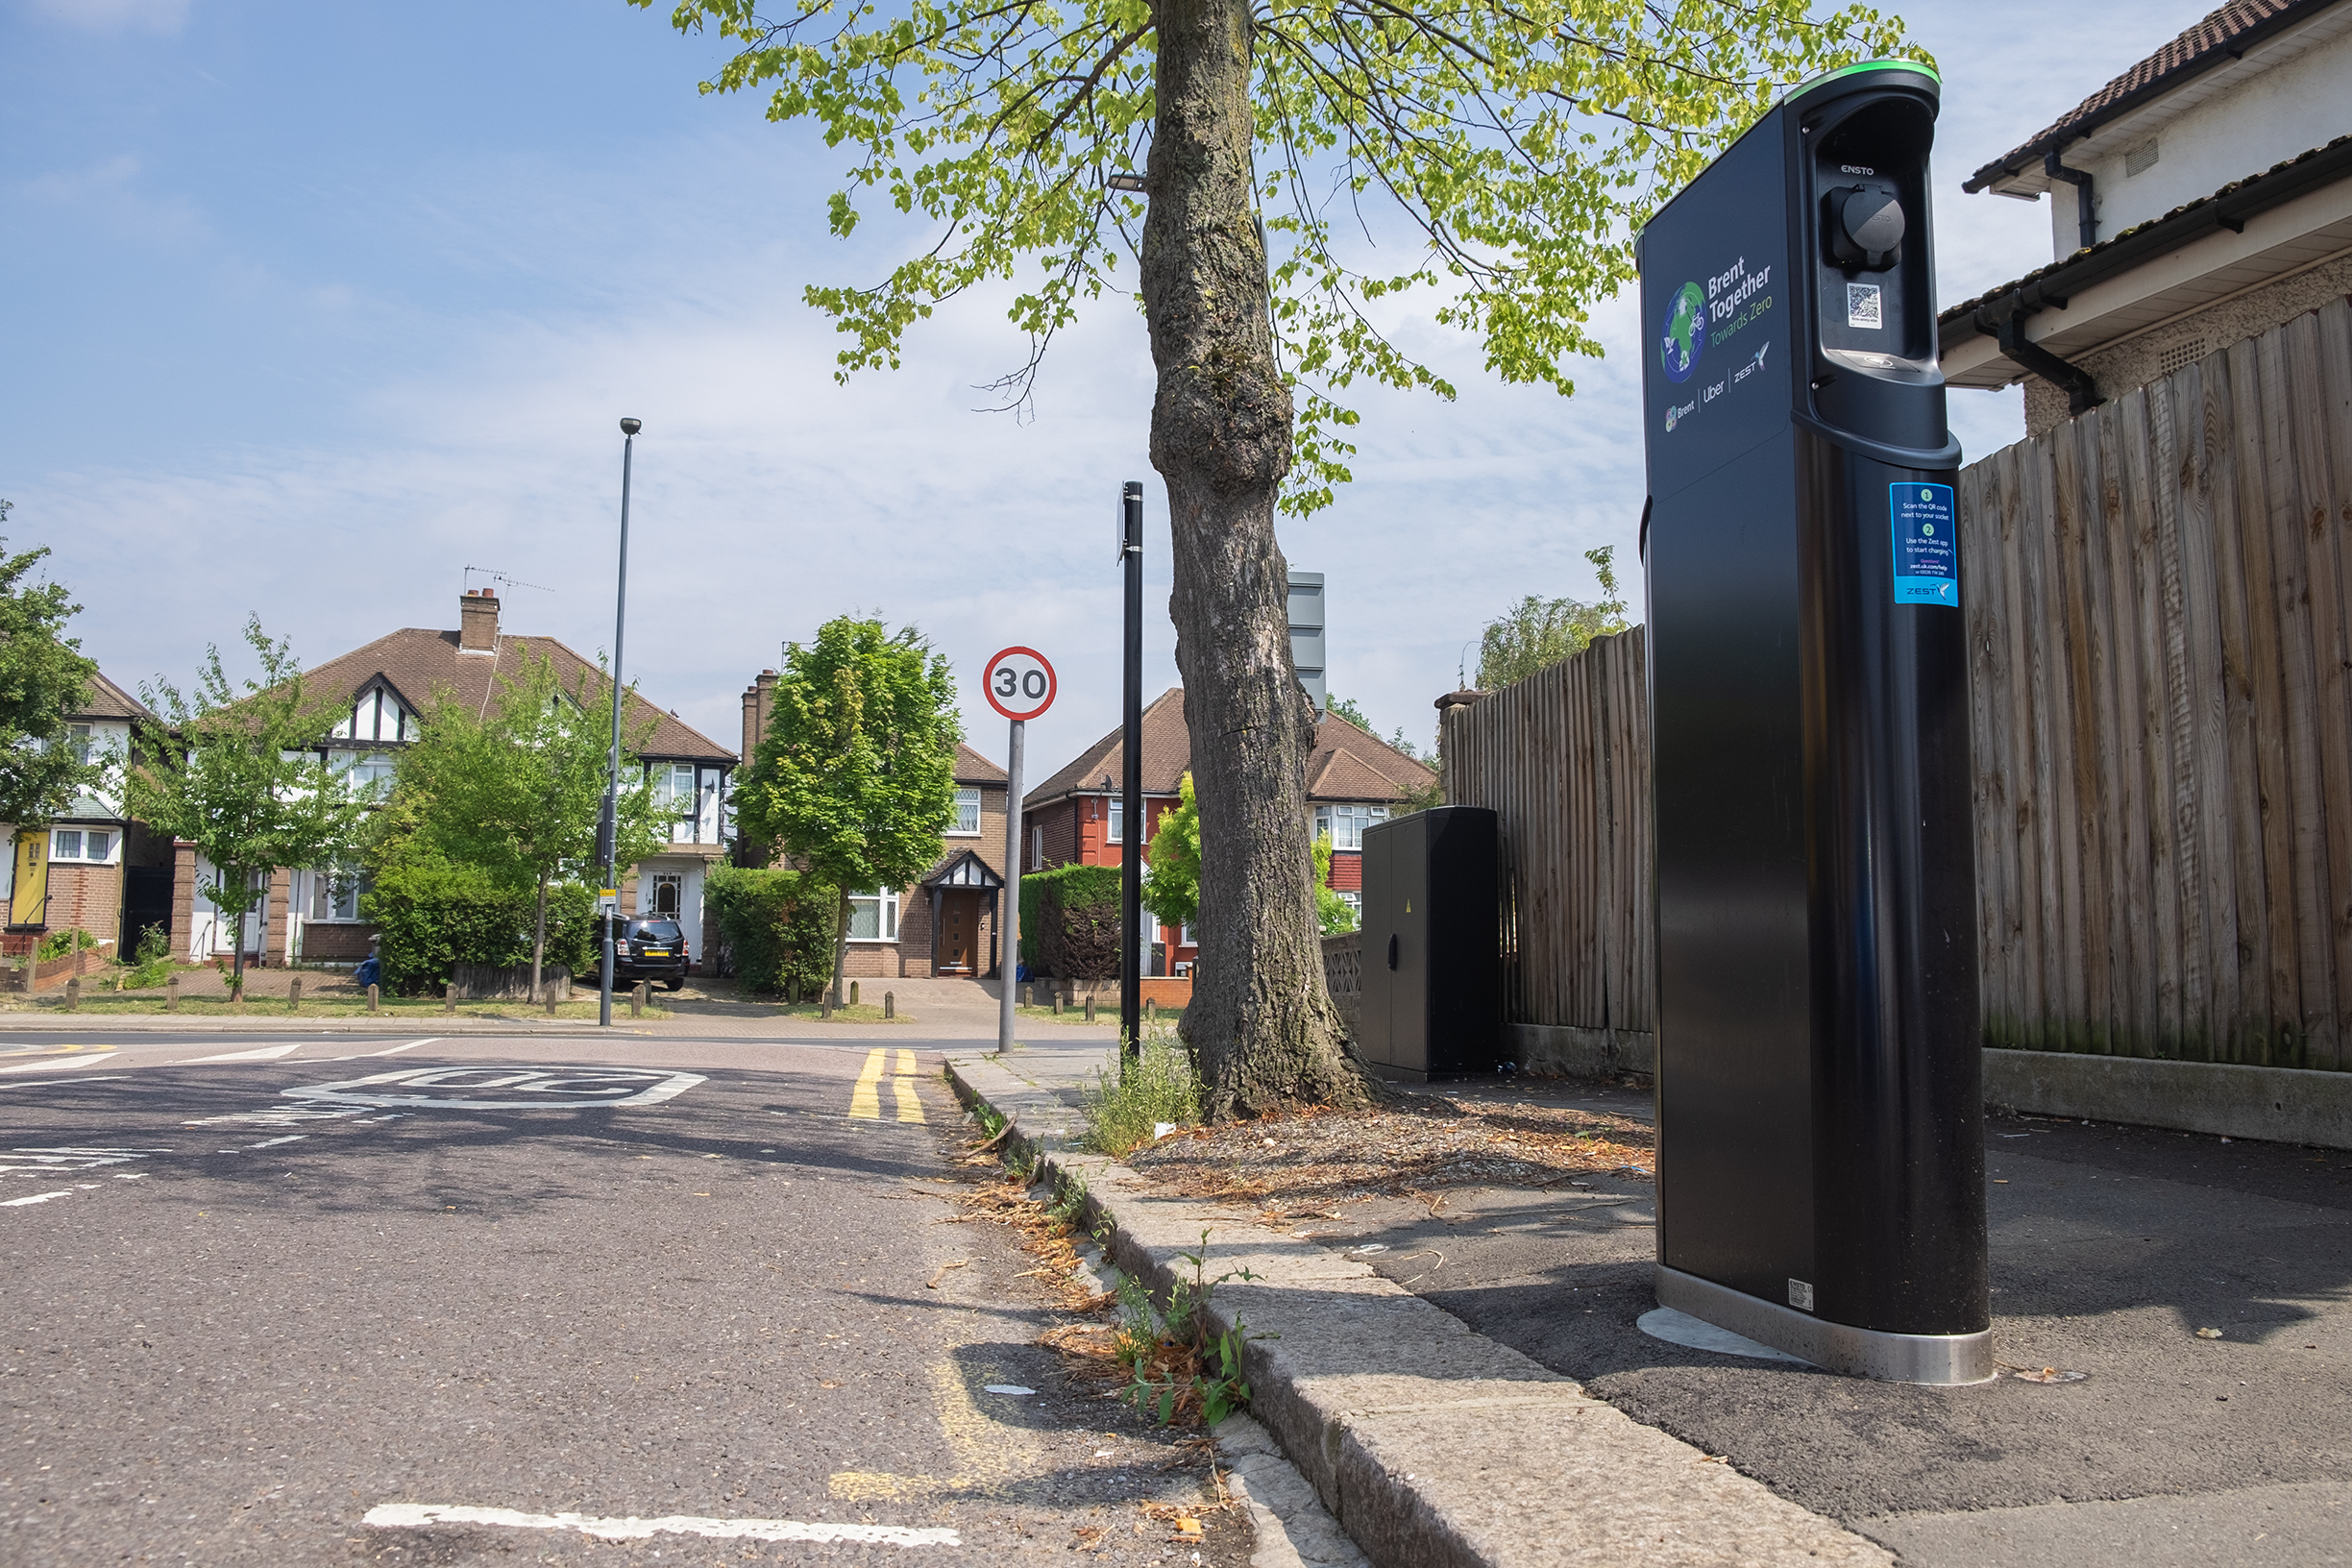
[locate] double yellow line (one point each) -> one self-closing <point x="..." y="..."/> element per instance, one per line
<point x="866" y="1099"/>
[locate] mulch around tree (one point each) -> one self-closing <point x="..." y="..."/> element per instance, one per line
<point x="1419" y="1143"/>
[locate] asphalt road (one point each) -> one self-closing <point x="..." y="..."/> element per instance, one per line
<point x="2111" y="1247"/>
<point x="289" y="1307"/>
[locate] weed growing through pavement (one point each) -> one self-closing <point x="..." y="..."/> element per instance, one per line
<point x="1156" y="1085"/>
<point x="1191" y="1367"/>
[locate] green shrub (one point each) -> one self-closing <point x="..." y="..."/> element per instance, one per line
<point x="1157" y="1085"/>
<point x="433" y="917"/>
<point x="1074" y="913"/>
<point x="151" y="964"/>
<point x="58" y="944"/>
<point x="778" y="925"/>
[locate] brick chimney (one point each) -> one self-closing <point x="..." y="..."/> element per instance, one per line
<point x="758" y="702"/>
<point x="478" y="622"/>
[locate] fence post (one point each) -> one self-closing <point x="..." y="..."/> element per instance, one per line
<point x="637" y="999"/>
<point x="853" y="993"/>
<point x="1089" y="1007"/>
<point x="448" y="996"/>
<point x="890" y="1004"/>
<point x="294" y="994"/>
<point x="171" y="994"/>
<point x="372" y="999"/>
<point x="550" y="991"/>
<point x="73" y="994"/>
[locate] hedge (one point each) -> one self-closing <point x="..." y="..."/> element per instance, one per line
<point x="1072" y="914"/>
<point x="431" y="917"/>
<point x="778" y="925"/>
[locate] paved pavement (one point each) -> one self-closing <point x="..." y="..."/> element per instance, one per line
<point x="282" y="1300"/>
<point x="2111" y="1246"/>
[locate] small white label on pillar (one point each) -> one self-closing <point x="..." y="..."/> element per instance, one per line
<point x="1801" y="1295"/>
<point x="1862" y="306"/>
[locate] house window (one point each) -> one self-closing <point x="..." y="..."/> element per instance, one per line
<point x="873" y="916"/>
<point x="335" y="891"/>
<point x="1346" y="825"/>
<point x="1353" y="897"/>
<point x="1184" y="936"/>
<point x="968" y="812"/>
<point x="1036" y="848"/>
<point x="366" y="774"/>
<point x="1118" y="821"/>
<point x="75" y="843"/>
<point x="77" y="742"/>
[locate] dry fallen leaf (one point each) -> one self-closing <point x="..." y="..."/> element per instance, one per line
<point x="932" y="1283"/>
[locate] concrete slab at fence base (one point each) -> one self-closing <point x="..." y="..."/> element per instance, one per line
<point x="1580" y="1053"/>
<point x="2277" y="1105"/>
<point x="1432" y="1445"/>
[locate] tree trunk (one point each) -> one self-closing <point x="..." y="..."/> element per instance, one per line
<point x="539" y="938"/>
<point x="237" y="939"/>
<point x="840" y="947"/>
<point x="1261" y="1022"/>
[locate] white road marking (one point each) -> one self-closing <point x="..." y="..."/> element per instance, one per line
<point x="53" y="1083"/>
<point x="61" y="1064"/>
<point x="412" y="1516"/>
<point x="264" y="1053"/>
<point x="37" y="1197"/>
<point x="396" y="1049"/>
<point x="479" y="1087"/>
<point x="58" y="1162"/>
<point x="273" y="1142"/>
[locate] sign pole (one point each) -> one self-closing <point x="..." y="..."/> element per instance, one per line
<point x="1131" y="783"/>
<point x="1020" y="683"/>
<point x="1009" y="921"/>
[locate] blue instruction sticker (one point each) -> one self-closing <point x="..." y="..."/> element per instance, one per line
<point x="1927" y="544"/>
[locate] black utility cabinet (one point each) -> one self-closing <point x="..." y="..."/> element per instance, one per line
<point x="1432" y="944"/>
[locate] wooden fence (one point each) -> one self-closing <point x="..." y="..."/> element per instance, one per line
<point x="2160" y="620"/>
<point x="1563" y="756"/>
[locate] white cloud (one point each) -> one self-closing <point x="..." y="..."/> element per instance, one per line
<point x="116" y="15"/>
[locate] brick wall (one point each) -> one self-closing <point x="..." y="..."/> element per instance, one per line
<point x="88" y="896"/>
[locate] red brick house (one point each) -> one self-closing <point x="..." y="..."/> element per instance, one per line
<point x="1352" y="780"/>
<point x="93" y="868"/>
<point x="946" y="924"/>
<point x="311" y="914"/>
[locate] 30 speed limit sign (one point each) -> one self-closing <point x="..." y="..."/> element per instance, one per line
<point x="1021" y="683"/>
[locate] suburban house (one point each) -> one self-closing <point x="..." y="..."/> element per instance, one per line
<point x="93" y="868"/>
<point x="946" y="924"/>
<point x="311" y="914"/>
<point x="1076" y="816"/>
<point x="2200" y="198"/>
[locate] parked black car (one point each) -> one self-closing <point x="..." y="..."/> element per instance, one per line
<point x="651" y="947"/>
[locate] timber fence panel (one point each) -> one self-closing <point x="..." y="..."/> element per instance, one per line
<point x="2159" y="602"/>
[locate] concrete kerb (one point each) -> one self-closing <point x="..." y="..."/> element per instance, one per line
<point x="1432" y="1446"/>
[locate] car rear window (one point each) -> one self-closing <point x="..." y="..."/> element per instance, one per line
<point x="660" y="931"/>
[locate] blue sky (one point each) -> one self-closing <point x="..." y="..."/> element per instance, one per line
<point x="312" y="306"/>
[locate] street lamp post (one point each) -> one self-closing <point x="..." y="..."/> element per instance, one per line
<point x="1131" y="781"/>
<point x="608" y="821"/>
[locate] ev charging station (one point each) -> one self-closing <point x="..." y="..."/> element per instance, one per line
<point x="1821" y="1157"/>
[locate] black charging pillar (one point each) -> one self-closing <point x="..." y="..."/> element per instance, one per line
<point x="1821" y="1158"/>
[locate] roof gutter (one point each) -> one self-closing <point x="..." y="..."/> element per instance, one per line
<point x="2239" y="46"/>
<point x="2008" y="326"/>
<point x="2228" y="209"/>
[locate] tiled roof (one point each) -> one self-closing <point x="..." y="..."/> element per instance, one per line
<point x="2214" y="40"/>
<point x="971" y="768"/>
<point x="2291" y="176"/>
<point x="108" y="700"/>
<point x="1346" y="763"/>
<point x="422" y="663"/>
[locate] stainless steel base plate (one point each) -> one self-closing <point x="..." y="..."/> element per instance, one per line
<point x="1942" y="1359"/>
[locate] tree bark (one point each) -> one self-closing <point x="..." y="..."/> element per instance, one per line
<point x="1260" y="1025"/>
<point x="539" y="938"/>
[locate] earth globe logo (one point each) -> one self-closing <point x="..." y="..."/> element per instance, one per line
<point x="1685" y="338"/>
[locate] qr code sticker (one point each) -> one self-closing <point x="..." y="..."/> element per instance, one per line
<point x="1862" y="305"/>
